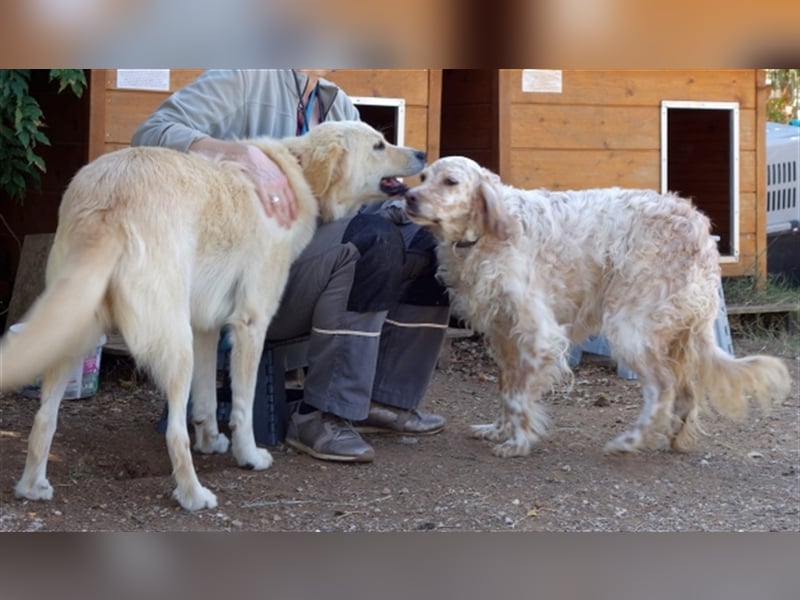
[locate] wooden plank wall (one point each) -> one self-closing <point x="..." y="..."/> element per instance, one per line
<point x="421" y="89"/>
<point x="604" y="129"/>
<point x="116" y="113"/>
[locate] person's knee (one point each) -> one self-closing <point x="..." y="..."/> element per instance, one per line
<point x="377" y="282"/>
<point x="423" y="288"/>
<point x="420" y="256"/>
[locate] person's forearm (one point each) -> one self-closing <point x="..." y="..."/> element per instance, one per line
<point x="210" y="105"/>
<point x="255" y="161"/>
<point x="214" y="147"/>
<point x="158" y="131"/>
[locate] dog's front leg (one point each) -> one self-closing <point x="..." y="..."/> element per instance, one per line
<point x="527" y="372"/>
<point x="248" y="343"/>
<point x="499" y="430"/>
<point x="208" y="439"/>
<point x="526" y="422"/>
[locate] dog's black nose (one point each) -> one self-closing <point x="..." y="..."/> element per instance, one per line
<point x="420" y="155"/>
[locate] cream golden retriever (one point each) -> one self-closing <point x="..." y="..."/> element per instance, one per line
<point x="538" y="270"/>
<point x="169" y="247"/>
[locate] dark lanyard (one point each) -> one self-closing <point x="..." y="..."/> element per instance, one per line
<point x="304" y="111"/>
<point x="308" y="111"/>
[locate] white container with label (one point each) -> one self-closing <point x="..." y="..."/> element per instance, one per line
<point x="82" y="381"/>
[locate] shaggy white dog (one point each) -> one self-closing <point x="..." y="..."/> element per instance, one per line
<point x="537" y="271"/>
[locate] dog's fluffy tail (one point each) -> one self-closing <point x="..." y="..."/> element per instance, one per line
<point x="730" y="383"/>
<point x="63" y="322"/>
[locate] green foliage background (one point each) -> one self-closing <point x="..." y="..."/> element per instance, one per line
<point x="785" y="84"/>
<point x="22" y="127"/>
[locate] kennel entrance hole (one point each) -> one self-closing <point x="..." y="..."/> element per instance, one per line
<point x="700" y="160"/>
<point x="387" y="115"/>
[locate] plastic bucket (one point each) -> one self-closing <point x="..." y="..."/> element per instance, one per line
<point x="84" y="377"/>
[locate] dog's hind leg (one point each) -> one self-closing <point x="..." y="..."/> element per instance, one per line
<point x="248" y="343"/>
<point x="685" y="425"/>
<point x="693" y="387"/>
<point x="189" y="493"/>
<point x="208" y="439"/>
<point x="645" y="348"/>
<point x="167" y="353"/>
<point x="34" y="484"/>
<point x="659" y="399"/>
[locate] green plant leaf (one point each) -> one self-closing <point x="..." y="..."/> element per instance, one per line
<point x="40" y="137"/>
<point x="18" y="83"/>
<point x="38" y="162"/>
<point x="75" y="79"/>
<point x="22" y="127"/>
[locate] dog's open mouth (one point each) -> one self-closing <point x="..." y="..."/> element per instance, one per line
<point x="392" y="186"/>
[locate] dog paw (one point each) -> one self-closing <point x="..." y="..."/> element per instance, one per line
<point x="40" y="490"/>
<point x="509" y="449"/>
<point x="686" y="437"/>
<point x="195" y="499"/>
<point x="488" y="431"/>
<point x="683" y="441"/>
<point x="217" y="444"/>
<point x="626" y="443"/>
<point x="259" y="459"/>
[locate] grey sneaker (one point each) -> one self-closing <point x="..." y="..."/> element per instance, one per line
<point x="327" y="437"/>
<point x="383" y="418"/>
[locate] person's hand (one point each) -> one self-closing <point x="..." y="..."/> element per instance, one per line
<point x="271" y="183"/>
<point x="272" y="186"/>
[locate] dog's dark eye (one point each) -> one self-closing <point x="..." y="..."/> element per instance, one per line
<point x="379" y="146"/>
<point x="422" y="177"/>
<point x="450" y="181"/>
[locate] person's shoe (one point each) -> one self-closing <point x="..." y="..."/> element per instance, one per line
<point x="327" y="437"/>
<point x="388" y="419"/>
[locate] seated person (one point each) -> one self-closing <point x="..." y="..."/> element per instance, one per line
<point x="363" y="290"/>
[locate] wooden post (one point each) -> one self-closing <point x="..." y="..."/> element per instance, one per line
<point x="762" y="97"/>
<point x="97" y="118"/>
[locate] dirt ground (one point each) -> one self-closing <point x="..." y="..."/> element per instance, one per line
<point x="110" y="469"/>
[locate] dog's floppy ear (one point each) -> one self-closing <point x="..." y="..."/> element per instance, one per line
<point x="322" y="166"/>
<point x="496" y="221"/>
<point x="489" y="176"/>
